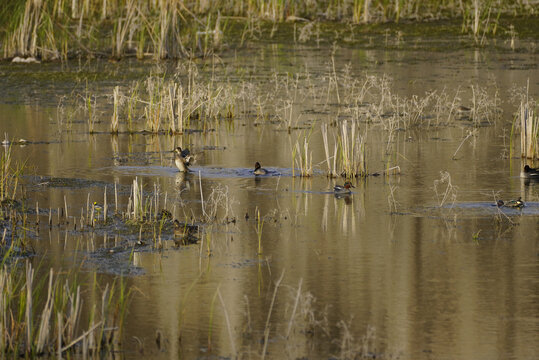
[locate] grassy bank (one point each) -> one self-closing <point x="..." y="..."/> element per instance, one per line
<point x="60" y="29"/>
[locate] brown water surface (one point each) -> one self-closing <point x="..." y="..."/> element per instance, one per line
<point x="391" y="271"/>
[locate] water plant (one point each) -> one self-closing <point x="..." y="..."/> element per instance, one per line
<point x="332" y="168"/>
<point x="115" y="122"/>
<point x="444" y="189"/>
<point x="267" y="327"/>
<point x="475" y="236"/>
<point x="217" y="207"/>
<point x="470" y="133"/>
<point x="352" y="159"/>
<point x="135" y="207"/>
<point x="42" y="315"/>
<point x="10" y="173"/>
<point x="392" y="202"/>
<point x="123" y="25"/>
<point x="259" y="227"/>
<point x="302" y="156"/>
<point x="529" y="131"/>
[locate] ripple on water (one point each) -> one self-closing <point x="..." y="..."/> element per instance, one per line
<point x="205" y="172"/>
<point x="488" y="208"/>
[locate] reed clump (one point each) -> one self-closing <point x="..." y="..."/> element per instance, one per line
<point x="169" y="106"/>
<point x="15" y="224"/>
<point x="331" y="159"/>
<point x="10" y="173"/>
<point x="41" y="316"/>
<point x="302" y="156"/>
<point x="529" y="131"/>
<point x="54" y="29"/>
<point x="527" y="119"/>
<point x="351" y="156"/>
<point x="144" y="209"/>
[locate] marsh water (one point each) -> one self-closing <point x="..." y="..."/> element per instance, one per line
<point x="395" y="270"/>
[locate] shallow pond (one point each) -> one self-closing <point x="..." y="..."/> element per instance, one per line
<point x="416" y="265"/>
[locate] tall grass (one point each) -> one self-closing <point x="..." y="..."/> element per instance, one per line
<point x="166" y="105"/>
<point x="352" y="159"/>
<point x="303" y="156"/>
<point x="123" y="24"/>
<point x="54" y="29"/>
<point x="42" y="316"/>
<point x="9" y="175"/>
<point x="332" y="165"/>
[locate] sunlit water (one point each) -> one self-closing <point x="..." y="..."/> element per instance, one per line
<point x="393" y="271"/>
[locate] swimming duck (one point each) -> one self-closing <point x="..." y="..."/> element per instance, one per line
<point x="511" y="203"/>
<point x="259" y="170"/>
<point x="344" y="189"/>
<point x="182" y="159"/>
<point x="530" y="173"/>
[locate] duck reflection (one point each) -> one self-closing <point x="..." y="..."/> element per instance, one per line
<point x="347" y="198"/>
<point x="182" y="182"/>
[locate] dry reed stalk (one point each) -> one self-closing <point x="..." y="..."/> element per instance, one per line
<point x="259" y="227"/>
<point x="92" y="215"/>
<point x="65" y="206"/>
<point x="201" y="194"/>
<point x="26" y="35"/>
<point x="179" y="104"/>
<point x="332" y="170"/>
<point x="28" y="307"/>
<point x="352" y="154"/>
<point x="450" y="192"/>
<point x="115" y="123"/>
<point x="529" y="132"/>
<point x="105" y="205"/>
<point x="122" y="27"/>
<point x="137" y="202"/>
<point x="229" y="328"/>
<point x="44" y="326"/>
<point x="163" y="25"/>
<point x="61" y="304"/>
<point x="169" y="99"/>
<point x="293" y="315"/>
<point x="88" y="209"/>
<point x="335" y="79"/>
<point x="267" y="327"/>
<point x="304" y="160"/>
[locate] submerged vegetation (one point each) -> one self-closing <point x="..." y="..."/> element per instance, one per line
<point x="61" y="29"/>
